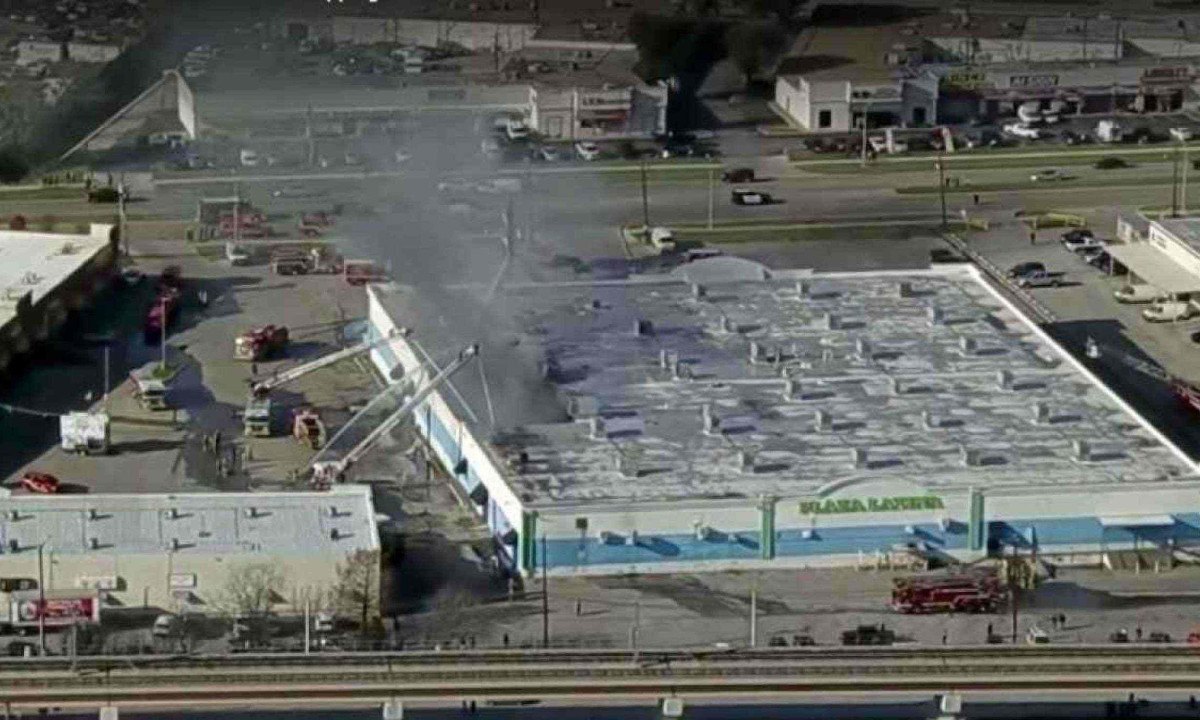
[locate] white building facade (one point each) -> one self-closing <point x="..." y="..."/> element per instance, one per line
<point x="840" y="105"/>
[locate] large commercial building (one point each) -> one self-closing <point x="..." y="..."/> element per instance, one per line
<point x="759" y="419"/>
<point x="1164" y="253"/>
<point x="43" y="277"/>
<point x="950" y="68"/>
<point x="178" y="552"/>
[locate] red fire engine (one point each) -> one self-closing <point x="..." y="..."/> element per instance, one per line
<point x="261" y="343"/>
<point x="959" y="592"/>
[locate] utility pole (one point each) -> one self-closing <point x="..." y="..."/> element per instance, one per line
<point x="1012" y="592"/>
<point x="545" y="597"/>
<point x="307" y="625"/>
<point x="941" y="168"/>
<point x="1175" y="183"/>
<point x="106" y="377"/>
<point x="712" y="179"/>
<point x="1183" y="180"/>
<point x="865" y="115"/>
<point x="645" y="200"/>
<point x="162" y="333"/>
<point x="41" y="600"/>
<point x="237" y="209"/>
<point x="122" y="233"/>
<point x="754" y="613"/>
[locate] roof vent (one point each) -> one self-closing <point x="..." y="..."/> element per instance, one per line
<point x="596" y="428"/>
<point x="697" y="290"/>
<point x="755" y="352"/>
<point x="1083" y="451"/>
<point x="679" y="371"/>
<point x="822" y="421"/>
<point x="1041" y="413"/>
<point x="829" y="321"/>
<point x="1004" y="379"/>
<point x="970" y="458"/>
<point x="335" y="534"/>
<point x="664" y="360"/>
<point x="626" y="463"/>
<point x="173" y="513"/>
<point x="790" y="388"/>
<point x="967" y="345"/>
<point x="801" y="288"/>
<point x="746" y="461"/>
<point x="862" y="349"/>
<point x="334" y="511"/>
<point x="93" y="514"/>
<point x="710" y="423"/>
<point x="642" y="328"/>
<point x="724" y="324"/>
<point x="14" y="515"/>
<point x="94" y="543"/>
<point x="928" y="421"/>
<point x="894" y="384"/>
<point x="904" y="289"/>
<point x="858" y="458"/>
<point x="934" y="315"/>
<point x="176" y="544"/>
<point x="250" y="512"/>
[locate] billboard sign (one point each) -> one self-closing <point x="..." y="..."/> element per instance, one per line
<point x="1166" y="75"/>
<point x="57" y="612"/>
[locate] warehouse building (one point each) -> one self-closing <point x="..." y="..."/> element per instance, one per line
<point x="177" y="552"/>
<point x="783" y="420"/>
<point x="43" y="277"/>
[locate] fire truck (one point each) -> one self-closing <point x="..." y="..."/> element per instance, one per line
<point x="248" y="225"/>
<point x="952" y="592"/>
<point x="261" y="343"/>
<point x="314" y="224"/>
<point x="361" y="272"/>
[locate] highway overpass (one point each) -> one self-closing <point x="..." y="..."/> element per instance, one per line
<point x="263" y="681"/>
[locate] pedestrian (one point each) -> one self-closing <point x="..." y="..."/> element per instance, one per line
<point x="1054" y="622"/>
<point x="945" y="637"/>
<point x="990" y="628"/>
<point x="578" y="608"/>
<point x="975" y="198"/>
<point x="1033" y="237"/>
<point x="505" y="639"/>
<point x="254" y="369"/>
<point x="217" y="442"/>
<point x="1062" y="620"/>
<point x="1137" y="632"/>
<point x="207" y="443"/>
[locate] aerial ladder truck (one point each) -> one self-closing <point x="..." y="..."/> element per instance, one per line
<point x="257" y="415"/>
<point x="326" y="472"/>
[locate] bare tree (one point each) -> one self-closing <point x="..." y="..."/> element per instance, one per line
<point x="252" y="588"/>
<point x="356" y="594"/>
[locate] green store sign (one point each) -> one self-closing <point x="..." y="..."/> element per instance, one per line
<point x="875" y="504"/>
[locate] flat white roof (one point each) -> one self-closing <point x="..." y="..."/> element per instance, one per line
<point x="38" y="262"/>
<point x="927" y="376"/>
<point x="298" y="523"/>
<point x="1155" y="267"/>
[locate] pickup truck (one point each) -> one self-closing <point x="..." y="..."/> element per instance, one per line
<point x="1040" y="278"/>
<point x="1170" y="311"/>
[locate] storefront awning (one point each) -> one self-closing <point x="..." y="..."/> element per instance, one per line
<point x="1155" y="267"/>
<point x="1128" y="521"/>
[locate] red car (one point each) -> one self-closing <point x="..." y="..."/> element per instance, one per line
<point x="39" y="482"/>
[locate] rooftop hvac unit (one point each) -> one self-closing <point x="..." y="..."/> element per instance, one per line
<point x="14" y="545"/>
<point x="94" y="543"/>
<point x="335" y="534"/>
<point x="250" y="512"/>
<point x="14" y="515"/>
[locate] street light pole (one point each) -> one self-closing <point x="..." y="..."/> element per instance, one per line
<point x="545" y="598"/>
<point x="645" y="200"/>
<point x="1183" y="180"/>
<point x="41" y="600"/>
<point x="162" y="333"/>
<point x="941" y="168"/>
<point x="1175" y="183"/>
<point x="711" y="194"/>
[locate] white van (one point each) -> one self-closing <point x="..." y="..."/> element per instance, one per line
<point x="248" y="158"/>
<point x="516" y="129"/>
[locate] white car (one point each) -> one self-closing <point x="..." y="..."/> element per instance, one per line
<point x="236" y="254"/>
<point x="248" y="158"/>
<point x="1022" y="130"/>
<point x="1182" y="134"/>
<point x="490" y="147"/>
<point x="402" y="156"/>
<point x="1137" y="293"/>
<point x="587" y="150"/>
<point x="662" y="238"/>
<point x="516" y="129"/>
<point x="549" y="153"/>
<point x="742" y="196"/>
<point x="1048" y="174"/>
<point x="1168" y="311"/>
<point x="164" y="626"/>
<point x="1082" y="243"/>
